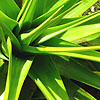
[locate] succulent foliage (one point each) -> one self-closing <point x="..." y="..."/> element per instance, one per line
<point x="52" y="43"/>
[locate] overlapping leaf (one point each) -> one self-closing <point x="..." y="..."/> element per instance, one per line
<point x="17" y="72"/>
<point x="77" y="72"/>
<point x="54" y="31"/>
<point x="75" y="92"/>
<point x="27" y="38"/>
<point x="79" y="33"/>
<point x="8" y="32"/>
<point x="26" y="14"/>
<point x="10" y="8"/>
<point x="67" y="4"/>
<point x="48" y="79"/>
<point x="50" y="26"/>
<point x="76" y="12"/>
<point x="11" y="24"/>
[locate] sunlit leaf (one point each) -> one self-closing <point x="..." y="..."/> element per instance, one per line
<point x="75" y="92"/>
<point x="8" y="32"/>
<point x="27" y="38"/>
<point x="77" y="72"/>
<point x="26" y="14"/>
<point x="11" y="24"/>
<point x="48" y="79"/>
<point x="10" y="8"/>
<point x="54" y="31"/>
<point x="17" y="71"/>
<point x="85" y="4"/>
<point x="80" y="32"/>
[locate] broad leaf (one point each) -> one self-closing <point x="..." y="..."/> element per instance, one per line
<point x="27" y="38"/>
<point x="77" y="72"/>
<point x="26" y="13"/>
<point x="17" y="71"/>
<point x="11" y="24"/>
<point x="78" y="52"/>
<point x="11" y="9"/>
<point x="8" y="32"/>
<point x="85" y="4"/>
<point x="75" y="92"/>
<point x="80" y="32"/>
<point x="43" y="7"/>
<point x="67" y="4"/>
<point x="3" y="44"/>
<point x="61" y="29"/>
<point x="47" y="78"/>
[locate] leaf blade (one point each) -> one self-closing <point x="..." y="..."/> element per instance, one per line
<point x="47" y="78"/>
<point x="15" y="81"/>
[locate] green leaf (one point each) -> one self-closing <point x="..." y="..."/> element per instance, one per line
<point x="27" y="38"/>
<point x="17" y="71"/>
<point x="43" y="7"/>
<point x="8" y="32"/>
<point x="75" y="92"/>
<point x="11" y="9"/>
<point x="67" y="4"/>
<point x="22" y="9"/>
<point x="54" y="31"/>
<point x="28" y="89"/>
<point x="47" y="78"/>
<point x="81" y="8"/>
<point x="1" y="62"/>
<point x="80" y="32"/>
<point x="96" y="41"/>
<point x="91" y="21"/>
<point x="88" y="39"/>
<point x="3" y="44"/>
<point x="2" y="56"/>
<point x="73" y="70"/>
<point x="89" y="55"/>
<point x="26" y="14"/>
<point x="78" y="52"/>
<point x="59" y="3"/>
<point x="67" y="20"/>
<point x="11" y="24"/>
<point x="97" y="72"/>
<point x="3" y="72"/>
<point x="19" y="3"/>
<point x="57" y="42"/>
<point x="63" y="49"/>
